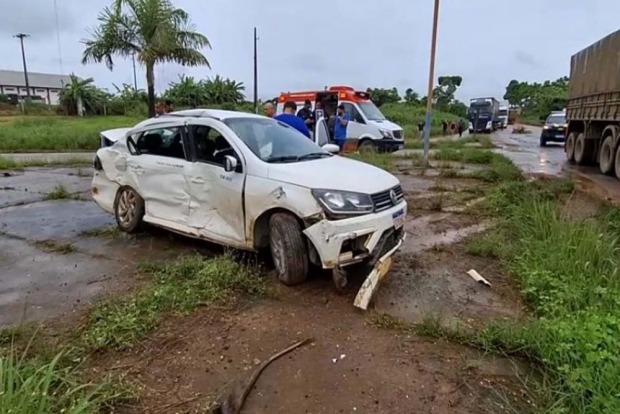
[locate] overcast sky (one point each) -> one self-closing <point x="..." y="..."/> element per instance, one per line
<point x="310" y="44"/>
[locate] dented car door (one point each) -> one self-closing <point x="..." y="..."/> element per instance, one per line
<point x="158" y="169"/>
<point x="216" y="195"/>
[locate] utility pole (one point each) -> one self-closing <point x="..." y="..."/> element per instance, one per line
<point x="255" y="72"/>
<point x="431" y="80"/>
<point x="21" y="37"/>
<point x="135" y="79"/>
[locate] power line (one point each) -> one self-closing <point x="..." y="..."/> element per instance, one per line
<point x="62" y="71"/>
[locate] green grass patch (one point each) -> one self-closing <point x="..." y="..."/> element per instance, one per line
<point x="464" y="155"/>
<point x="568" y="271"/>
<point x="108" y="231"/>
<point x="58" y="193"/>
<point x="384" y="160"/>
<point x="56" y="247"/>
<point x="180" y="286"/>
<point x="56" y="133"/>
<point x="39" y="386"/>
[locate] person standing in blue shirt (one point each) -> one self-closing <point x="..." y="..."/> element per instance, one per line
<point x="292" y="120"/>
<point x="340" y="126"/>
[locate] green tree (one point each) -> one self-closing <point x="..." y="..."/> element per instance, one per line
<point x="220" y="91"/>
<point x="443" y="94"/>
<point x="538" y="99"/>
<point x="382" y="96"/>
<point x="80" y="96"/>
<point x="412" y="97"/>
<point x="152" y="30"/>
<point x="187" y="92"/>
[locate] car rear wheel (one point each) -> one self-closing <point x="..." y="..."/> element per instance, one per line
<point x="581" y="149"/>
<point x="128" y="210"/>
<point x="569" y="147"/>
<point x="288" y="249"/>
<point x="606" y="160"/>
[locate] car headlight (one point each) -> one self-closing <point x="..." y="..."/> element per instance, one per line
<point x="344" y="202"/>
<point x="386" y="133"/>
<point x="546" y="127"/>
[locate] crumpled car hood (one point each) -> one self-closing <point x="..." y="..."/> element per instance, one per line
<point x="334" y="173"/>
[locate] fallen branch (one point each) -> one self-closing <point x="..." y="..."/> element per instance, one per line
<point x="234" y="401"/>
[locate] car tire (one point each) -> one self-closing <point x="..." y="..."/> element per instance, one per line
<point x="543" y="142"/>
<point x="607" y="156"/>
<point x="569" y="147"/>
<point x="128" y="210"/>
<point x="288" y="249"/>
<point x="581" y="149"/>
<point x="367" y="146"/>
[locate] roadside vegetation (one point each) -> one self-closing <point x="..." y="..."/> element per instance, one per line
<point x="54" y="133"/>
<point x="41" y="380"/>
<point x="567" y="270"/>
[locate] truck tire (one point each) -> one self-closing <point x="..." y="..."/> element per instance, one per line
<point x="288" y="249"/>
<point x="582" y="148"/>
<point x="617" y="163"/>
<point x="569" y="147"/>
<point x="128" y="210"/>
<point x="607" y="156"/>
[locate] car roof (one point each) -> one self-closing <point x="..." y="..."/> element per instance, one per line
<point x="218" y="114"/>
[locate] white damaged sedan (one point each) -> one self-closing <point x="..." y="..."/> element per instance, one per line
<point x="253" y="183"/>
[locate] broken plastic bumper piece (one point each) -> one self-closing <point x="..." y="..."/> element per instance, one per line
<point x="379" y="271"/>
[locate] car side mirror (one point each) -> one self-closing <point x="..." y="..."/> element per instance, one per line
<point x="230" y="163"/>
<point x="331" y="148"/>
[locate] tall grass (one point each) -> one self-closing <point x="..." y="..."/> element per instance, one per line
<point x="568" y="271"/>
<point x="45" y="387"/>
<point x="54" y="133"/>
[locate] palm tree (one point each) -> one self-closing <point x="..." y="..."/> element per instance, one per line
<point x="79" y="95"/>
<point x="152" y="30"/>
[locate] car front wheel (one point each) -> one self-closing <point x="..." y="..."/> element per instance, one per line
<point x="288" y="249"/>
<point x="128" y="210"/>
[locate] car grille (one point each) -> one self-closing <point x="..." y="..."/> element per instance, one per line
<point x="383" y="200"/>
<point x="398" y="134"/>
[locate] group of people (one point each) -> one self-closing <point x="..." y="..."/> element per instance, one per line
<point x="459" y="127"/>
<point x="305" y="119"/>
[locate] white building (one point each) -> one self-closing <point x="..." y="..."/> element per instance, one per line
<point x="44" y="85"/>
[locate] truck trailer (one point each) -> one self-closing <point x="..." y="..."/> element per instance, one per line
<point x="593" y="109"/>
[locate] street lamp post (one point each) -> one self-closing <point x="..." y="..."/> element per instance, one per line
<point x="21" y="37"/>
<point x="431" y="79"/>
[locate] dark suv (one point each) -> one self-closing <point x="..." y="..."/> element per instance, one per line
<point x="554" y="129"/>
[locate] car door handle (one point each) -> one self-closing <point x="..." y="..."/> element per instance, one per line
<point x="198" y="180"/>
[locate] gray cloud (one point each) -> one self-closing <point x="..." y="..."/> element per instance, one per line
<point x="524" y="58"/>
<point x="358" y="42"/>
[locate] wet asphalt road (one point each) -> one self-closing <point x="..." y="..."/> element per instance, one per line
<point x="524" y="150"/>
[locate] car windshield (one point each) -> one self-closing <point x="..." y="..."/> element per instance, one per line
<point x="273" y="141"/>
<point x="556" y="119"/>
<point x="503" y="112"/>
<point x="371" y="112"/>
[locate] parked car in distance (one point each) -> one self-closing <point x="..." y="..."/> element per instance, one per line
<point x="252" y="183"/>
<point x="554" y="129"/>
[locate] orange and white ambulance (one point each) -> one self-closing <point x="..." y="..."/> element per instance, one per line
<point x="368" y="128"/>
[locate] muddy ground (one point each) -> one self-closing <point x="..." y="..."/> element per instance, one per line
<point x="58" y="256"/>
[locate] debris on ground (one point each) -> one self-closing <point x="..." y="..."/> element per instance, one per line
<point x="520" y="129"/>
<point x="234" y="401"/>
<point x="478" y="278"/>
